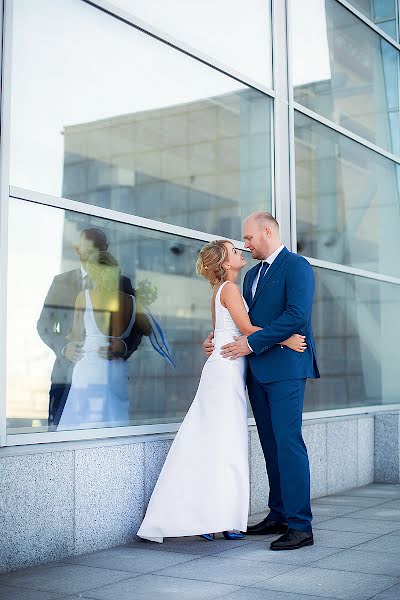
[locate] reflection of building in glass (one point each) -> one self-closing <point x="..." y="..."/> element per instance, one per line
<point x="361" y="92"/>
<point x="381" y="12"/>
<point x="202" y="165"/>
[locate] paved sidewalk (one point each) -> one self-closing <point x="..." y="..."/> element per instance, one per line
<point x="356" y="555"/>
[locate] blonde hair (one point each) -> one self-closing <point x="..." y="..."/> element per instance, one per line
<point x="211" y="259"/>
<point x="103" y="269"/>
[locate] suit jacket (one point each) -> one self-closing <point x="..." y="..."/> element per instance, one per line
<point x="57" y="315"/>
<point x="282" y="306"/>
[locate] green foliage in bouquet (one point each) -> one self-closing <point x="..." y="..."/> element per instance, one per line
<point x="146" y="292"/>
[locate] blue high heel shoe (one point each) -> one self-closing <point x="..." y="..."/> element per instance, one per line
<point x="233" y="535"/>
<point x="208" y="536"/>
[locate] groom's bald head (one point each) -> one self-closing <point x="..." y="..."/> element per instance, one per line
<point x="261" y="234"/>
<point x="263" y="219"/>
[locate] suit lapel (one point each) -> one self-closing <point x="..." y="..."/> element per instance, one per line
<point x="273" y="268"/>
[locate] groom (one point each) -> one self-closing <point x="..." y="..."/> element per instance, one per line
<point x="279" y="292"/>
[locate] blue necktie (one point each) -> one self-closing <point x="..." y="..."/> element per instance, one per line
<point x="263" y="270"/>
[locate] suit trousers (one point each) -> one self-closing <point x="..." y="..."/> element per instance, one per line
<point x="277" y="409"/>
<point x="57" y="397"/>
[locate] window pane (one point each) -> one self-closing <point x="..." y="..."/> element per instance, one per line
<point x="348" y="203"/>
<point x="143" y="389"/>
<point x="345" y="71"/>
<point x="237" y="34"/>
<point x="128" y="123"/>
<point x="381" y="12"/>
<point x="356" y="327"/>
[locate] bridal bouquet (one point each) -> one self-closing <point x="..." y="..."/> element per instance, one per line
<point x="146" y="292"/>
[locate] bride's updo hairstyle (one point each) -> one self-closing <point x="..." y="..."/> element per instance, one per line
<point x="211" y="259"/>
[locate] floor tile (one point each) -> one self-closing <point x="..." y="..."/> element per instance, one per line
<point x="233" y="571"/>
<point x="128" y="558"/>
<point x="329" y="583"/>
<point x="320" y="519"/>
<point x="392" y="503"/>
<point x="331" y="510"/>
<point x="363" y="525"/>
<point x="392" y="593"/>
<point x="65" y="579"/>
<point x="152" y="587"/>
<point x="342" y="539"/>
<point x="379" y="512"/>
<point x="375" y="492"/>
<point x="263" y="594"/>
<point x="342" y="500"/>
<point x="193" y="545"/>
<point x="361" y="561"/>
<point x="384" y="543"/>
<point x="13" y="593"/>
<point x="260" y="552"/>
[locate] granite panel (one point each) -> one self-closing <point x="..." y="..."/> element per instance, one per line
<point x="258" y="476"/>
<point x="342" y="443"/>
<point x="155" y="453"/>
<point x="38" y="499"/>
<point x="365" y="450"/>
<point x="387" y="447"/>
<point x="314" y="435"/>
<point x="109" y="503"/>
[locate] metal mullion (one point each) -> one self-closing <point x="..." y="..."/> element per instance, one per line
<point x="162" y="430"/>
<point x="352" y="270"/>
<point x="6" y="44"/>
<point x="370" y="23"/>
<point x="165" y="38"/>
<point x="157" y="226"/>
<point x="21" y="439"/>
<point x="346" y="132"/>
<point x="110" y="214"/>
<point x="292" y="156"/>
<point x="281" y="190"/>
<point x="398" y="18"/>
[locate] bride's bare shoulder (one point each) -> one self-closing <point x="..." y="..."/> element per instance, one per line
<point x="229" y="293"/>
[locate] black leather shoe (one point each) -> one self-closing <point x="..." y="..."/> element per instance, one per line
<point x="266" y="527"/>
<point x="293" y="539"/>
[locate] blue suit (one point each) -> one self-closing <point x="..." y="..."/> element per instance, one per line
<point x="276" y="379"/>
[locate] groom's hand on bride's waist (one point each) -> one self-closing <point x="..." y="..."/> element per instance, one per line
<point x="208" y="345"/>
<point x="115" y="349"/>
<point x="236" y="349"/>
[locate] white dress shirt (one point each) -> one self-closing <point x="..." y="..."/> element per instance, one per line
<point x="270" y="259"/>
<point x="84" y="274"/>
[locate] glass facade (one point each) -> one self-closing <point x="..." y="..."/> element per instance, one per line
<point x="346" y="72"/>
<point x="211" y="27"/>
<point x="170" y="140"/>
<point x="161" y="127"/>
<point x="348" y="200"/>
<point x="381" y="12"/>
<point x="145" y="387"/>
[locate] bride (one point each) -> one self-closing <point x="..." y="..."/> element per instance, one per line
<point x="204" y="483"/>
<point x="98" y="396"/>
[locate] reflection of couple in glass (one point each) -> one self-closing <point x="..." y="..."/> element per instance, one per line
<point x="92" y="322"/>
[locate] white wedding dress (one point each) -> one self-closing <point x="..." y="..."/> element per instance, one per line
<point x="98" y="396"/>
<point x="203" y="486"/>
